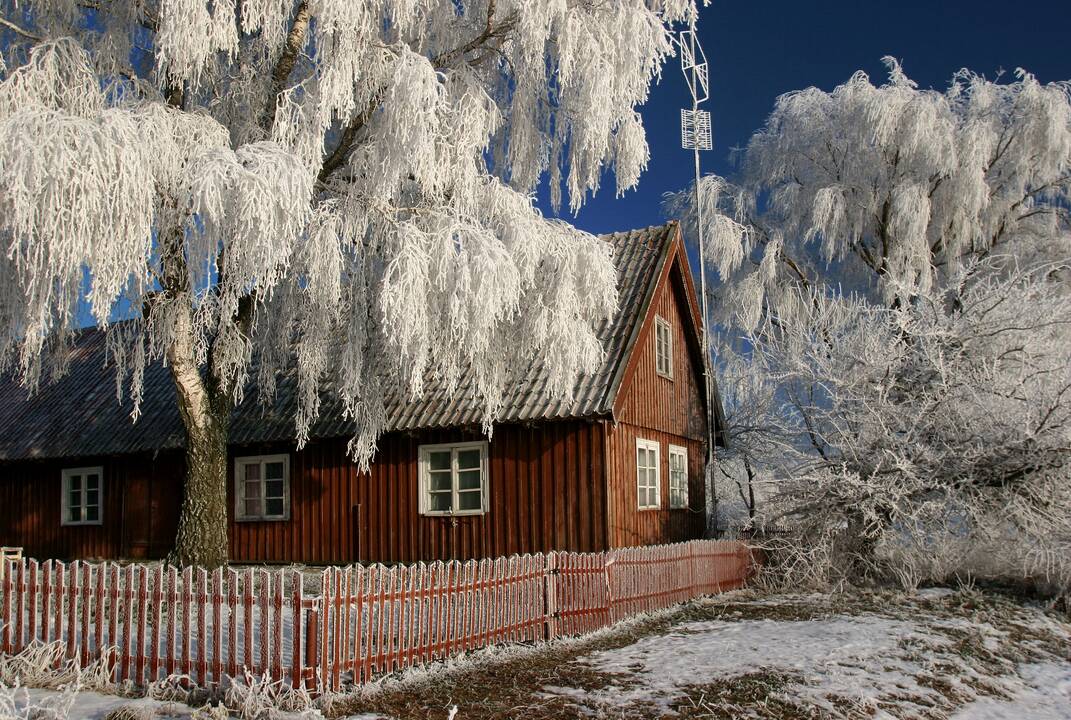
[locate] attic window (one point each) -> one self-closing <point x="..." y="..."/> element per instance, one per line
<point x="83" y="496"/>
<point x="453" y="479"/>
<point x="262" y="489"/>
<point x="663" y="347"/>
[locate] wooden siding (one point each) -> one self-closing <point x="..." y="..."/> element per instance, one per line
<point x="649" y="400"/>
<point x="628" y="524"/>
<point x="546" y="492"/>
<point x="669" y="411"/>
<point x="140" y="511"/>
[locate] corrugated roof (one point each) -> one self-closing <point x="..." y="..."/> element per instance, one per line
<point x="78" y="415"/>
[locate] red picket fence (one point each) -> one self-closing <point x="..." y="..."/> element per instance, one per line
<point x="355" y="623"/>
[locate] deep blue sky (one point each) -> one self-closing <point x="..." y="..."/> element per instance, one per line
<point x="759" y="50"/>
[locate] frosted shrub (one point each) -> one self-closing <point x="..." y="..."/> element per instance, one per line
<point x="253" y="697"/>
<point x="15" y="703"/>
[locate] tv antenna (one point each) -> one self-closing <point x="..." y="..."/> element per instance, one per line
<point x="696" y="136"/>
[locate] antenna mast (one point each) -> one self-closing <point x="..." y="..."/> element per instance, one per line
<point x="696" y="136"/>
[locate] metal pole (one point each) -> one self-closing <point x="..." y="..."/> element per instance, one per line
<point x="695" y="86"/>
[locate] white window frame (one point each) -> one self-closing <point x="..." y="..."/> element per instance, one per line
<point x="424" y="452"/>
<point x="649" y="446"/>
<point x="66" y="475"/>
<point x="678" y="492"/>
<point x="240" y="514"/>
<point x="663" y="331"/>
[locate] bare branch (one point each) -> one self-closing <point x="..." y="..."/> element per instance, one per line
<point x="20" y="30"/>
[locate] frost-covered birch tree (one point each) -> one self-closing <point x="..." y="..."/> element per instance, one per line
<point x="341" y="189"/>
<point x="896" y="260"/>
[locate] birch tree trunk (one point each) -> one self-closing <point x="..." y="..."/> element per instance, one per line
<point x="205" y="411"/>
<point x="201" y="539"/>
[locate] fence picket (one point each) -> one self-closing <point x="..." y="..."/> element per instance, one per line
<point x="32" y="601"/>
<point x="233" y="606"/>
<point x="297" y="604"/>
<point x="142" y="616"/>
<point x="170" y="651"/>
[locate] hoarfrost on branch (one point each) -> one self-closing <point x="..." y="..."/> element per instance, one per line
<point x="342" y="188"/>
<point x="896" y="325"/>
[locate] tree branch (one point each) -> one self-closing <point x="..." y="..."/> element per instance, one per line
<point x="295" y="39"/>
<point x="345" y="143"/>
<point x="349" y="133"/>
<point x="489" y="31"/>
<point x="20" y="30"/>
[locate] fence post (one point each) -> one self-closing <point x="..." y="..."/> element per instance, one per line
<point x="550" y="590"/>
<point x="7" y="578"/>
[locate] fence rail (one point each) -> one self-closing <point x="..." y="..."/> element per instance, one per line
<point x="330" y="628"/>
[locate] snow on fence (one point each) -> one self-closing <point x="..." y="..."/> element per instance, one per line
<point x="354" y="623"/>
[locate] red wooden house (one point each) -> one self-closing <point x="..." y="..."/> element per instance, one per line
<point x="622" y="464"/>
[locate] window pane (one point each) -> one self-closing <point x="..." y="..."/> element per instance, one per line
<point x="274" y="506"/>
<point x="273" y="471"/>
<point x="74" y="498"/>
<point x="92" y="514"/>
<point x="469" y="500"/>
<point x="92" y="482"/>
<point x="273" y="489"/>
<point x="440" y="501"/>
<point x="440" y="481"/>
<point x="641" y="457"/>
<point x="252" y="508"/>
<point x="440" y="460"/>
<point x="468" y="480"/>
<point x="74" y="514"/>
<point x="92" y="497"/>
<point x="252" y="489"/>
<point x="252" y="471"/>
<point x="467" y="459"/>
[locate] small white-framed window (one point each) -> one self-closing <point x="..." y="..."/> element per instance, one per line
<point x="83" y="496"/>
<point x="648" y="487"/>
<point x="262" y="487"/>
<point x="678" y="476"/>
<point x="453" y="478"/>
<point x="663" y="347"/>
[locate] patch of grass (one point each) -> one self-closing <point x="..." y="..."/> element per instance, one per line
<point x="759" y="694"/>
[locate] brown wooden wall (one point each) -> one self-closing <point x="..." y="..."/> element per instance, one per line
<point x="547" y="491"/>
<point x="652" y="407"/>
<point x="141" y="500"/>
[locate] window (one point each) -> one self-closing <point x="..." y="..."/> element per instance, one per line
<point x="678" y="476"/>
<point x="647" y="485"/>
<point x="663" y="347"/>
<point x="83" y="496"/>
<point x="263" y="487"/>
<point x="453" y="479"/>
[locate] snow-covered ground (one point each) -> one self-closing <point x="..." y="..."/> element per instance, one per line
<point x="935" y="655"/>
<point x="910" y="659"/>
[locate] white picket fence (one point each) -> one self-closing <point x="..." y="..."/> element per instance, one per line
<point x="331" y="628"/>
